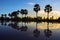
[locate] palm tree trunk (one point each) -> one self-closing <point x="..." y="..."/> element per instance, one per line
<point x="48" y="16"/>
<point x="11" y="17"/>
<point x="25" y="16"/>
<point x="36" y="14"/>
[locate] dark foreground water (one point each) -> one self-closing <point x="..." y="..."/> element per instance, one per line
<point x="29" y="31"/>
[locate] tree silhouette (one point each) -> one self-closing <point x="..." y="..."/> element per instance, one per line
<point x="14" y="14"/>
<point x="48" y="9"/>
<point x="36" y="8"/>
<point x="2" y="16"/>
<point x="9" y="15"/>
<point x="24" y="11"/>
<point x="5" y="16"/>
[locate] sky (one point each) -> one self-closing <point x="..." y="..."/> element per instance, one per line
<point x="8" y="6"/>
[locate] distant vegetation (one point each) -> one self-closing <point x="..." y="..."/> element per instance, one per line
<point x="13" y="16"/>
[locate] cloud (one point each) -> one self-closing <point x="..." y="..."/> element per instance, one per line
<point x="30" y="3"/>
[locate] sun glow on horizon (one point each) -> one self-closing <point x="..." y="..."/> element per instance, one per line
<point x="51" y="26"/>
<point x="43" y="25"/>
<point x="55" y="14"/>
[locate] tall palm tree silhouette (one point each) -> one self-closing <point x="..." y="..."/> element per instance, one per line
<point x="48" y="9"/>
<point x="36" y="8"/>
<point x="5" y="15"/>
<point x="14" y="14"/>
<point x="24" y="11"/>
<point x="2" y="16"/>
<point x="9" y="15"/>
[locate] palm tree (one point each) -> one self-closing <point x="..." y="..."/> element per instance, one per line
<point x="25" y="12"/>
<point x="5" y="15"/>
<point x="48" y="9"/>
<point x="14" y="14"/>
<point x="2" y="16"/>
<point x="9" y="15"/>
<point x="22" y="11"/>
<point x="36" y="8"/>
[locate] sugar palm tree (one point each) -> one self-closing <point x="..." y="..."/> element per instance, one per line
<point x="14" y="14"/>
<point x="9" y="15"/>
<point x="2" y="15"/>
<point x="5" y="15"/>
<point x="36" y="8"/>
<point x="22" y="11"/>
<point x="48" y="9"/>
<point x="25" y="12"/>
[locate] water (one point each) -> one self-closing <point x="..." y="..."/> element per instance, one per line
<point x="29" y="31"/>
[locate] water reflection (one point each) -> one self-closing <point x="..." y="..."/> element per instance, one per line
<point x="47" y="31"/>
<point x="14" y="25"/>
<point x="38" y="30"/>
<point x="1" y="22"/>
<point x="24" y="28"/>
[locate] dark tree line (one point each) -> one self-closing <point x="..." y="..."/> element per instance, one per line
<point x="14" y="15"/>
<point x="36" y="8"/>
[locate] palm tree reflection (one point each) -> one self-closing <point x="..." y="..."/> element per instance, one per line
<point x="14" y="25"/>
<point x="36" y="31"/>
<point x="2" y="22"/>
<point x="47" y="31"/>
<point x="5" y="23"/>
<point x="23" y="28"/>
